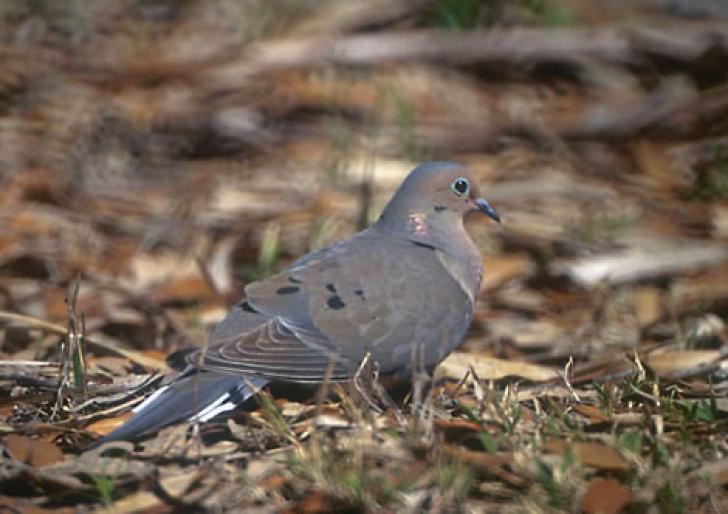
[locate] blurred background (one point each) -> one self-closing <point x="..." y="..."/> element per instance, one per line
<point x="169" y="152"/>
<point x="165" y="153"/>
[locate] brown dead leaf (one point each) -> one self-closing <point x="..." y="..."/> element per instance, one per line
<point x="458" y="364"/>
<point x="183" y="289"/>
<point x="107" y="425"/>
<point x="18" y="446"/>
<point x="314" y="503"/>
<point x="595" y="455"/>
<point x="456" y="430"/>
<point x="291" y="409"/>
<point x="157" y="355"/>
<point x="260" y="469"/>
<point x="606" y="496"/>
<point x="173" y="441"/>
<point x="36" y="453"/>
<point x="55" y="305"/>
<point x="151" y="271"/>
<point x="273" y="482"/>
<point x="652" y="160"/>
<point x="176" y="481"/>
<point x="647" y="305"/>
<point x="591" y="412"/>
<point x="141" y="501"/>
<point x="457" y="425"/>
<point x="96" y="461"/>
<point x="674" y="361"/>
<point x="89" y="301"/>
<point x="30" y="222"/>
<point x="118" y="254"/>
<point x="504" y="268"/>
<point x="489" y="464"/>
<point x="119" y="366"/>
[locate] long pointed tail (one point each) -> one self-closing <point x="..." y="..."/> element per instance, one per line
<point x="198" y="396"/>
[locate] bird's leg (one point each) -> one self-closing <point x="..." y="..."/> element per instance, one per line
<point x="367" y="383"/>
<point x="364" y="378"/>
<point x="387" y="400"/>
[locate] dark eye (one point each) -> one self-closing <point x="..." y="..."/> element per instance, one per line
<point x="460" y="186"/>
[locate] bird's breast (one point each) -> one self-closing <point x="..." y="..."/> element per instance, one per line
<point x="467" y="271"/>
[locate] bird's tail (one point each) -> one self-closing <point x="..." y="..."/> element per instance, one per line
<point x="198" y="396"/>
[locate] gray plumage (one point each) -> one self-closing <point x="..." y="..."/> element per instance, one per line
<point x="403" y="291"/>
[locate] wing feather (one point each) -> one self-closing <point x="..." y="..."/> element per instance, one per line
<point x="328" y="310"/>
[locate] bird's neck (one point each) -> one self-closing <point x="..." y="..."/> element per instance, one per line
<point x="447" y="235"/>
<point x="441" y="230"/>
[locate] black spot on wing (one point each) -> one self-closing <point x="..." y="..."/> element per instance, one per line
<point x="423" y="245"/>
<point x="359" y="293"/>
<point x="331" y="288"/>
<point x="287" y="290"/>
<point x="440" y="208"/>
<point x="245" y="305"/>
<point x="294" y="280"/>
<point x="335" y="302"/>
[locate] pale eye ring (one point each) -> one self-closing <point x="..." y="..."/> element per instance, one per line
<point x="460" y="186"/>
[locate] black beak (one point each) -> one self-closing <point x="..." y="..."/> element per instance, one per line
<point x="487" y="209"/>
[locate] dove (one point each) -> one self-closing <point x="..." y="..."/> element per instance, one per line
<point x="401" y="292"/>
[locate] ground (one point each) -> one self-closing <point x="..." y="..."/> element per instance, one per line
<point x="158" y="156"/>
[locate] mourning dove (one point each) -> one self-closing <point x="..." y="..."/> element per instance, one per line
<point x="402" y="291"/>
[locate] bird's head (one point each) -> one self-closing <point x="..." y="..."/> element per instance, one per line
<point x="437" y="191"/>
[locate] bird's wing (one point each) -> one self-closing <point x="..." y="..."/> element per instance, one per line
<point x="324" y="313"/>
<point x="271" y="351"/>
<point x="271" y="333"/>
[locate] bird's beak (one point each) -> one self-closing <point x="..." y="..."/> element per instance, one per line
<point x="487" y="209"/>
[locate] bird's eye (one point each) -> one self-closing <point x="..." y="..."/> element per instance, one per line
<point x="460" y="186"/>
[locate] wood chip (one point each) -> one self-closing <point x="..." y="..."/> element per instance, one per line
<point x="606" y="496"/>
<point x="33" y="452"/>
<point x="595" y="455"/>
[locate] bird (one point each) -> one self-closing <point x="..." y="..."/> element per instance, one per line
<point x="401" y="292"/>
